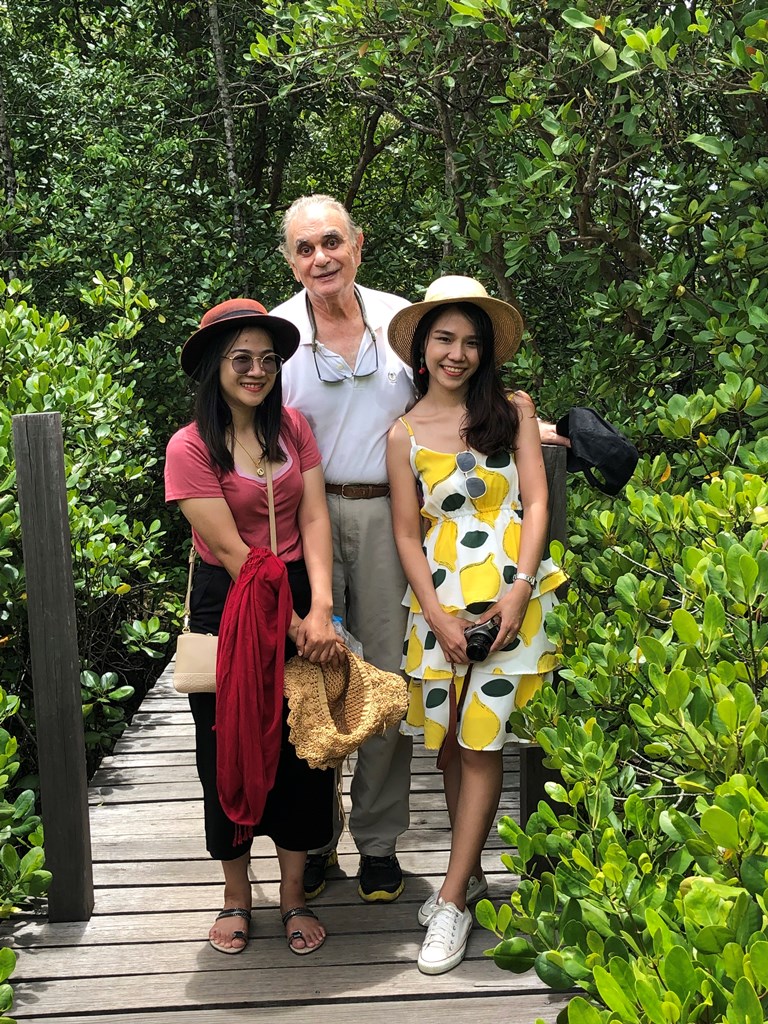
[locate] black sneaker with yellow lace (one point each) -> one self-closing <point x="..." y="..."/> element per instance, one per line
<point x="315" y="870"/>
<point x="381" y="879"/>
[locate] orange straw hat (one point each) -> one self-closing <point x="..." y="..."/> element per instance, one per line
<point x="231" y="315"/>
<point x="506" y="319"/>
<point x="332" y="711"/>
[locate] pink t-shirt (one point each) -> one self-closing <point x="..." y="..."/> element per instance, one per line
<point x="189" y="473"/>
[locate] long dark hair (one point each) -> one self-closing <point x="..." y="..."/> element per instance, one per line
<point x="214" y="417"/>
<point x="491" y="421"/>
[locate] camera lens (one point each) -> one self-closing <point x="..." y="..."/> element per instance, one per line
<point x="480" y="639"/>
<point x="478" y="647"/>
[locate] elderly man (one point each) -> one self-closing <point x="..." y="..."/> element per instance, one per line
<point x="351" y="387"/>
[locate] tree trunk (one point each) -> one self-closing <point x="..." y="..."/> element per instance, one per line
<point x="222" y="86"/>
<point x="9" y="176"/>
<point x="369" y="150"/>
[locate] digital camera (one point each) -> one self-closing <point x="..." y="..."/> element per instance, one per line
<point x="480" y="638"/>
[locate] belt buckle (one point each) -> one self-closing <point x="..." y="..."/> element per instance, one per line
<point x="349" y="497"/>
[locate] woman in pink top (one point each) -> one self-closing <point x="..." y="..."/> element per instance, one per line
<point x="216" y="471"/>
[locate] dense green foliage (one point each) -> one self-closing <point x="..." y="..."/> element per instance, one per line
<point x="605" y="167"/>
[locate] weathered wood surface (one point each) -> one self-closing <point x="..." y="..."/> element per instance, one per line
<point x="143" y="957"/>
<point x="555" y="458"/>
<point x="41" y="480"/>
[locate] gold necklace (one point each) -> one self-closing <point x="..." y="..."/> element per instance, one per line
<point x="257" y="464"/>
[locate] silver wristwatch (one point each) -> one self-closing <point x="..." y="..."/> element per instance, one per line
<point x="525" y="576"/>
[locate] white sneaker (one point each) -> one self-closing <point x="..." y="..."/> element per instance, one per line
<point x="446" y="939"/>
<point x="476" y="888"/>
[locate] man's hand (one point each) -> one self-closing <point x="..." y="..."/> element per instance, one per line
<point x="549" y="435"/>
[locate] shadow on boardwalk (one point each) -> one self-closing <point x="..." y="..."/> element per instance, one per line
<point x="143" y="958"/>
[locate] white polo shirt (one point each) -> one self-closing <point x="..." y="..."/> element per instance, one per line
<point x="350" y="418"/>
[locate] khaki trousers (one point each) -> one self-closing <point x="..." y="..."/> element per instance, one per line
<point x="368" y="587"/>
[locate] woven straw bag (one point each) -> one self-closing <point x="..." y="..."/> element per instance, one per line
<point x="333" y="711"/>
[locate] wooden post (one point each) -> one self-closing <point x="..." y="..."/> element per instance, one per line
<point x="533" y="774"/>
<point x="55" y="663"/>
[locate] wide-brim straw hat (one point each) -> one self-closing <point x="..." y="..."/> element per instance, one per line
<point x="332" y="711"/>
<point x="506" y="319"/>
<point x="234" y="314"/>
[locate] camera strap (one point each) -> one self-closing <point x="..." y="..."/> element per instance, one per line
<point x="450" y="744"/>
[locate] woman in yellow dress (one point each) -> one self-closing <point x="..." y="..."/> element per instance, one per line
<point x="466" y="463"/>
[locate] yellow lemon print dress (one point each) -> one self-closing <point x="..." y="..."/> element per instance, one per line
<point x="472" y="547"/>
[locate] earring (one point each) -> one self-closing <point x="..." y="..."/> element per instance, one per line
<point x="422" y="368"/>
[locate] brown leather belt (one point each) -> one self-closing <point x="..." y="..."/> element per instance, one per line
<point x="355" y="491"/>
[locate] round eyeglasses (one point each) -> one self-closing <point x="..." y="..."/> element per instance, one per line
<point x="243" y="362"/>
<point x="475" y="485"/>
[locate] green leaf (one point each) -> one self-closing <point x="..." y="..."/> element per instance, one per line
<point x="714" y="617"/>
<point x="721" y="826"/>
<point x="577" y="18"/>
<point x="582" y="1012"/>
<point x="685" y="626"/>
<point x="648" y="997"/>
<point x="516" y="955"/>
<point x="654" y="652"/>
<point x="749" y="572"/>
<point x="758" y="958"/>
<point x="746" y="1005"/>
<point x="605" y="53"/>
<point x="7" y="962"/>
<point x="678" y="972"/>
<point x="752" y="873"/>
<point x="706" y="142"/>
<point x="614" y="996"/>
<point x="9" y="859"/>
<point x="713" y="939"/>
<point x="485" y="914"/>
<point x="549" y="968"/>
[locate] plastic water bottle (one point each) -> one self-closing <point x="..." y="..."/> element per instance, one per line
<point x="346" y="637"/>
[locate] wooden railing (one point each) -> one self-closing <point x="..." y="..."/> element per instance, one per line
<point x="59" y="729"/>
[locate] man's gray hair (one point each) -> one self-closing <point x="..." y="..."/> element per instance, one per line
<point x="303" y="203"/>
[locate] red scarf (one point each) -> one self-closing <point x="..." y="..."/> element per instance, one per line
<point x="249" y="688"/>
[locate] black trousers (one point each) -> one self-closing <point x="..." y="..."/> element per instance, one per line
<point x="299" y="811"/>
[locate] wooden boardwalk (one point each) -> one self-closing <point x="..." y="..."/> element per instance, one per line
<point x="143" y="957"/>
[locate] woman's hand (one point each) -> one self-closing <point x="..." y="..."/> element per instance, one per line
<point x="449" y="631"/>
<point x="511" y="611"/>
<point x="316" y="638"/>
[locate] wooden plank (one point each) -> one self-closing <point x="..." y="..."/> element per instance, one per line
<point x="47" y="546"/>
<point x="184" y="826"/>
<point x="149" y="849"/>
<point x="459" y="1009"/>
<point x="287" y="986"/>
<point x="150" y="759"/>
<point x="147" y="814"/>
<point x="263" y="953"/>
<point x="341" y="910"/>
<point x="555" y="458"/>
<point x="151" y="766"/>
<point x="205" y="870"/>
<point x="160" y="791"/>
<point x="148" y="899"/>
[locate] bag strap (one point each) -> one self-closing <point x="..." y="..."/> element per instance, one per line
<point x="272" y="544"/>
<point x="192" y="554"/>
<point x="271" y="500"/>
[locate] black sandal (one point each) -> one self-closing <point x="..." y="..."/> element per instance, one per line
<point x="239" y="934"/>
<point x="298" y="934"/>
